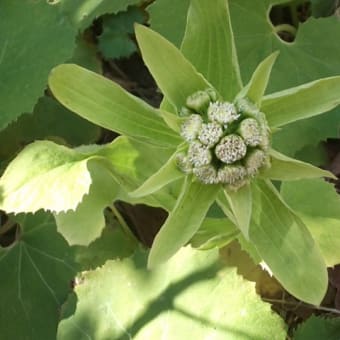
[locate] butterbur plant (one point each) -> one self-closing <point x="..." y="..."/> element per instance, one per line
<point x="218" y="133"/>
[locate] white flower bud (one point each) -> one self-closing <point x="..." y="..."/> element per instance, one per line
<point x="198" y="101"/>
<point x="254" y="161"/>
<point x="249" y="130"/>
<point x="231" y="149"/>
<point x="191" y="127"/>
<point x="183" y="163"/>
<point x="231" y="174"/>
<point x="206" y="174"/>
<point x="222" y="113"/>
<point x="199" y="154"/>
<point x="247" y="107"/>
<point x="210" y="134"/>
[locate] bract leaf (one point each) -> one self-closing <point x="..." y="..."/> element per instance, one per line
<point x="168" y="173"/>
<point x="259" y="80"/>
<point x="183" y="221"/>
<point x="46" y="176"/>
<point x="317" y="203"/>
<point x="181" y="299"/>
<point x="132" y="163"/>
<point x="286" y="245"/>
<point x="105" y="103"/>
<point x="86" y="222"/>
<point x="37" y="267"/>
<point x="214" y="232"/>
<point x="174" y="74"/>
<point x="301" y="102"/>
<point x="240" y="202"/>
<point x="209" y="45"/>
<point x="284" y="168"/>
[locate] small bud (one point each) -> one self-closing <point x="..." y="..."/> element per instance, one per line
<point x="183" y="163"/>
<point x="222" y="113"/>
<point x="231" y="149"/>
<point x="212" y="94"/>
<point x="210" y="134"/>
<point x="198" y="101"/>
<point x="191" y="127"/>
<point x="231" y="174"/>
<point x="185" y="112"/>
<point x="199" y="154"/>
<point x="246" y="107"/>
<point x="206" y="174"/>
<point x="254" y="161"/>
<point x="249" y="130"/>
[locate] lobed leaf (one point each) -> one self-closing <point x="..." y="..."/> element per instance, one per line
<point x="175" y="76"/>
<point x="36" y="272"/>
<point x="209" y="45"/>
<point x="284" y="168"/>
<point x="301" y="102"/>
<point x="105" y="103"/>
<point x="24" y="68"/>
<point x="178" y="300"/>
<point x="86" y="223"/>
<point x="286" y="245"/>
<point x="183" y="221"/>
<point x="45" y="176"/>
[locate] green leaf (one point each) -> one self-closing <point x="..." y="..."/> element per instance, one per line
<point x="259" y="80"/>
<point x="240" y="202"/>
<point x="214" y="232"/>
<point x="105" y="103"/>
<point x="322" y="220"/>
<point x="183" y="221"/>
<point x="112" y="244"/>
<point x="168" y="173"/>
<point x="36" y="272"/>
<point x="24" y="67"/>
<point x="301" y="102"/>
<point x="45" y="176"/>
<point x="286" y="246"/>
<point x="132" y="163"/>
<point x="169" y="17"/>
<point x="323" y="8"/>
<point x="210" y="46"/>
<point x="83" y="12"/>
<point x="115" y="40"/>
<point x="50" y="120"/>
<point x="294" y="137"/>
<point x="174" y="74"/>
<point x="179" y="300"/>
<point x="316" y="328"/>
<point x="284" y="168"/>
<point x="86" y="222"/>
<point x="300" y="62"/>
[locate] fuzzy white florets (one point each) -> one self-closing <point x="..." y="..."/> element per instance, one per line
<point x="227" y="143"/>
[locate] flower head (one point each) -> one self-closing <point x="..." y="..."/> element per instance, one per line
<point x="227" y="142"/>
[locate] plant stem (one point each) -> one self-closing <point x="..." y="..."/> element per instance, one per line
<point x="123" y="224"/>
<point x="325" y="309"/>
<point x="286" y="28"/>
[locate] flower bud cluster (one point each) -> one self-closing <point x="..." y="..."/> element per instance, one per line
<point x="227" y="142"/>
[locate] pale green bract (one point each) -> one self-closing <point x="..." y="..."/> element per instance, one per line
<point x="217" y="135"/>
